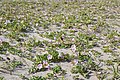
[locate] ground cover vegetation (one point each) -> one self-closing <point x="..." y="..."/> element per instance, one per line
<point x="59" y="40"/>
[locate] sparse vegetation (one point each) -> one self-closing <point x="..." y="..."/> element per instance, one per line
<point x="59" y="39"/>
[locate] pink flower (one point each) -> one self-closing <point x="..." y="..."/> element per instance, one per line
<point x="73" y="48"/>
<point x="49" y="57"/>
<point x="7" y="21"/>
<point x="46" y="64"/>
<point x="55" y="38"/>
<point x="75" y="62"/>
<point x="0" y="42"/>
<point x="40" y="66"/>
<point x="73" y="40"/>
